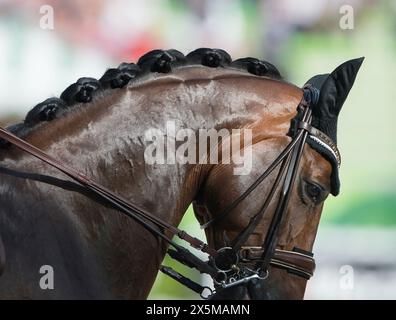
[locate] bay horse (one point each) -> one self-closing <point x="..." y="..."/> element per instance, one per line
<point x="98" y="127"/>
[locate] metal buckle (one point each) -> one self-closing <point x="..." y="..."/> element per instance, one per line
<point x="244" y="253"/>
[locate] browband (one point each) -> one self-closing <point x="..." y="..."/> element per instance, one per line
<point x="323" y="139"/>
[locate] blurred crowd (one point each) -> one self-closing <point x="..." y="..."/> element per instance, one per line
<point x="124" y="29"/>
<point x="89" y="35"/>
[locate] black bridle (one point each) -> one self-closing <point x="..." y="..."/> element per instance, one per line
<point x="228" y="266"/>
<point x="229" y="261"/>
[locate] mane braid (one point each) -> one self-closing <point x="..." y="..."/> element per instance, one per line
<point x="155" y="61"/>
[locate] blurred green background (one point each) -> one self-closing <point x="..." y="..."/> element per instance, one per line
<point x="302" y="38"/>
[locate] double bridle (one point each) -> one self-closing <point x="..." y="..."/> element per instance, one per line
<point x="237" y="264"/>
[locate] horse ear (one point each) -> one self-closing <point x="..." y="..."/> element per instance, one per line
<point x="335" y="89"/>
<point x="318" y="80"/>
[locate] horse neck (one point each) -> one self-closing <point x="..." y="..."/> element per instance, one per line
<point x="105" y="140"/>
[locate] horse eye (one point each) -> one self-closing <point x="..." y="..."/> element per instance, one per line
<point x="314" y="192"/>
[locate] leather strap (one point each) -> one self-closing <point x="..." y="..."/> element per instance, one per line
<point x="271" y="238"/>
<point x="196" y="287"/>
<point x="256" y="219"/>
<point x="120" y="203"/>
<point x="253" y="186"/>
<point x="299" y="262"/>
<point x="322" y="137"/>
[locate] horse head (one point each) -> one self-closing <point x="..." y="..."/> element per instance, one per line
<point x="260" y="235"/>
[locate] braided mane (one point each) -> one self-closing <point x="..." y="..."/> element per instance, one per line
<point x="156" y="61"/>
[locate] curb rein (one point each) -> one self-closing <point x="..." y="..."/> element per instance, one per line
<point x="228" y="266"/>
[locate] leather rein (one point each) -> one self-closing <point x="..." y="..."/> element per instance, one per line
<point x="228" y="266"/>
